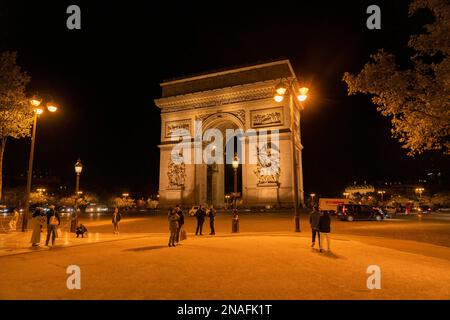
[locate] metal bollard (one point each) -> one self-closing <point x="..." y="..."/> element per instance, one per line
<point x="235" y="225"/>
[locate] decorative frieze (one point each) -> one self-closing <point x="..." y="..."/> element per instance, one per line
<point x="270" y="117"/>
<point x="214" y="98"/>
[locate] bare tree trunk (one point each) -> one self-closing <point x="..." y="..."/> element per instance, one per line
<point x="2" y="151"/>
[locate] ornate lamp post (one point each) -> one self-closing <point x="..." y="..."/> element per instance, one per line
<point x="235" y="165"/>
<point x="291" y="88"/>
<point x="420" y="191"/>
<point x="78" y="170"/>
<point x="35" y="102"/>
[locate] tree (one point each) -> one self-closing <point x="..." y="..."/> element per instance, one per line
<point x="40" y="198"/>
<point x="123" y="202"/>
<point x="81" y="201"/>
<point x="16" y="115"/>
<point x="416" y="99"/>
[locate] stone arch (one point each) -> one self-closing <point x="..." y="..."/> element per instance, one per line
<point x="213" y="176"/>
<point x="219" y="119"/>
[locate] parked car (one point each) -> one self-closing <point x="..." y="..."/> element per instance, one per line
<point x="352" y="212"/>
<point x="5" y="210"/>
<point x="193" y="210"/>
<point x="423" y="209"/>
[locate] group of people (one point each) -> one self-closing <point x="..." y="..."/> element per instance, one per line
<point x="176" y="222"/>
<point x="320" y="227"/>
<point x="201" y="214"/>
<point x="39" y="218"/>
<point x="52" y="219"/>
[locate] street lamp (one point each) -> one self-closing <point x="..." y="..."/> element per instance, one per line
<point x="420" y="191"/>
<point x="382" y="192"/>
<point x="235" y="165"/>
<point x="36" y="103"/>
<point x="78" y="170"/>
<point x="227" y="197"/>
<point x="312" y="195"/>
<point x="292" y="88"/>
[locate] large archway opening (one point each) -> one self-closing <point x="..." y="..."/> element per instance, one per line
<point x="219" y="177"/>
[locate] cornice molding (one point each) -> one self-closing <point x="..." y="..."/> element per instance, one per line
<point x="217" y="97"/>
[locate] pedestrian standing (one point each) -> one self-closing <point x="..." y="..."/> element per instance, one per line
<point x="200" y="215"/>
<point x="53" y="221"/>
<point x="38" y="221"/>
<point x="116" y="220"/>
<point x="235" y="222"/>
<point x="212" y="218"/>
<point x="180" y="222"/>
<point x="314" y="222"/>
<point x="325" y="229"/>
<point x="14" y="219"/>
<point x="173" y="226"/>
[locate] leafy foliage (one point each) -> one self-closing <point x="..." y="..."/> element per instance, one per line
<point x="417" y="100"/>
<point x="16" y="115"/>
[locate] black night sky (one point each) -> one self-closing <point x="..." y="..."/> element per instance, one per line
<point x="106" y="75"/>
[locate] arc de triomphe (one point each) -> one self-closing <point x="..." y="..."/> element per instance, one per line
<point x="240" y="98"/>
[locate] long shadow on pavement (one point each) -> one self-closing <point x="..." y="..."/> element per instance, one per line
<point x="328" y="254"/>
<point x="145" y="248"/>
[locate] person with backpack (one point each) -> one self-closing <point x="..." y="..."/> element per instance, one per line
<point x="53" y="221"/>
<point x="325" y="229"/>
<point x="200" y="215"/>
<point x="115" y="220"/>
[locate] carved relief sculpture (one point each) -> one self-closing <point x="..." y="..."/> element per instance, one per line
<point x="177" y="174"/>
<point x="268" y="166"/>
<point x="267" y="117"/>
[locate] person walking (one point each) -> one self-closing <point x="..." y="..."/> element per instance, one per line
<point x="38" y="221"/>
<point x="314" y="218"/>
<point x="53" y="221"/>
<point x="116" y="220"/>
<point x="212" y="218"/>
<point x="200" y="215"/>
<point x="173" y="226"/>
<point x="180" y="222"/>
<point x="325" y="229"/>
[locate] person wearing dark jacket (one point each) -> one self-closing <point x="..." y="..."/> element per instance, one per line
<point x="314" y="222"/>
<point x="325" y="229"/>
<point x="53" y="221"/>
<point x="180" y="222"/>
<point x="212" y="218"/>
<point x="200" y="215"/>
<point x="81" y="230"/>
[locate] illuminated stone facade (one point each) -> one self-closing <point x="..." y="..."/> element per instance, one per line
<point x="240" y="98"/>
